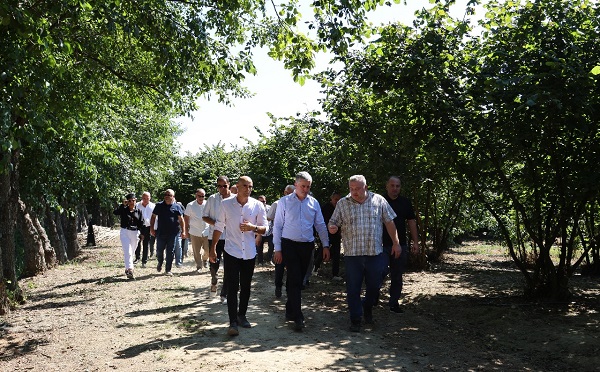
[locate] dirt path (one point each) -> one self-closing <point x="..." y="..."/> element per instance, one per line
<point x="465" y="314"/>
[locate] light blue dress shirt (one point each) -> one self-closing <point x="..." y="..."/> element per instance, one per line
<point x="295" y="219"/>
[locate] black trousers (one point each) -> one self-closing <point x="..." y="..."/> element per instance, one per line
<point x="214" y="267"/>
<point x="238" y="275"/>
<point x="143" y="244"/>
<point x="296" y="258"/>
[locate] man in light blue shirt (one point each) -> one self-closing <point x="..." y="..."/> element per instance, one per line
<point x="296" y="216"/>
<point x="242" y="217"/>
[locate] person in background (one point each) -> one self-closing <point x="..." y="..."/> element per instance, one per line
<point x="267" y="237"/>
<point x="243" y="217"/>
<point x="210" y="214"/>
<point x="334" y="239"/>
<point x="180" y="242"/>
<point x="396" y="265"/>
<point x="131" y="222"/>
<point x="198" y="229"/>
<point x="146" y="207"/>
<point x="361" y="216"/>
<point x="170" y="226"/>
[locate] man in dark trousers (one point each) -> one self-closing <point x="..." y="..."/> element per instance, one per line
<point x="404" y="214"/>
<point x="170" y="224"/>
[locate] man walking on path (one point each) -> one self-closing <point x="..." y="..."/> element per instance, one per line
<point x="170" y="223"/>
<point x="279" y="267"/>
<point x="243" y="217"/>
<point x="198" y="229"/>
<point x="146" y="207"/>
<point x="361" y="217"/>
<point x="210" y="214"/>
<point x="293" y="237"/>
<point x="404" y="214"/>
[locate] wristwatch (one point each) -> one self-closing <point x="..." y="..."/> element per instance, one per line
<point x="255" y="228"/>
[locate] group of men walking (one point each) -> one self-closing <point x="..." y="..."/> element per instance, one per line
<point x="229" y="227"/>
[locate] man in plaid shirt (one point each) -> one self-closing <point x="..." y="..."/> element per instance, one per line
<point x="361" y="217"/>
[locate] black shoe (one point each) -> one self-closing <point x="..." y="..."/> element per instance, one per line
<point x="159" y="267"/>
<point x="136" y="260"/>
<point x="243" y="322"/>
<point x="396" y="309"/>
<point x="278" y="292"/>
<point x="355" y="326"/>
<point x="289" y="318"/>
<point x="233" y="329"/>
<point x="299" y="324"/>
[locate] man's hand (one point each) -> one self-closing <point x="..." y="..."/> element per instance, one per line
<point x="332" y="229"/>
<point x="396" y="249"/>
<point x="212" y="254"/>
<point x="277" y="257"/>
<point x="415" y="247"/>
<point x="326" y="254"/>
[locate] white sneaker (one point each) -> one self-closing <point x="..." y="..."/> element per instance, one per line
<point x="223" y="299"/>
<point x="168" y="273"/>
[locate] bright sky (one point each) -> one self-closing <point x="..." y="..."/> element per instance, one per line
<point x="275" y="92"/>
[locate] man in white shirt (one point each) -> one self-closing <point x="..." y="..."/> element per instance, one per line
<point x="243" y="217"/>
<point x="197" y="229"/>
<point x="210" y="214"/>
<point x="146" y="207"/>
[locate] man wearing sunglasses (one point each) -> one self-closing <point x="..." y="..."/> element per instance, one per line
<point x="131" y="222"/>
<point x="170" y="221"/>
<point x="210" y="214"/>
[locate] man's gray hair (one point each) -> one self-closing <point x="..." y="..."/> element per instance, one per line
<point x="303" y="176"/>
<point x="358" y="178"/>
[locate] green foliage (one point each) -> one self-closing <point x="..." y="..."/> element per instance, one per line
<point x="201" y="170"/>
<point x="293" y="145"/>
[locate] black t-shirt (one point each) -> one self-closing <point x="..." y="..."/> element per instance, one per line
<point x="327" y="210"/>
<point x="168" y="218"/>
<point x="404" y="212"/>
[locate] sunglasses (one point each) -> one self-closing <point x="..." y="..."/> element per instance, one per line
<point x="221" y="186"/>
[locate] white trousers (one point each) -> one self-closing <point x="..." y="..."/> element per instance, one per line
<point x="129" y="240"/>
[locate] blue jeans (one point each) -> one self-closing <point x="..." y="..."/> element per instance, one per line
<point x="395" y="268"/>
<point x="359" y="268"/>
<point x="178" y="252"/>
<point x="165" y="243"/>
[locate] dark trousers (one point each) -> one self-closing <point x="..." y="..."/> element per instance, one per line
<point x="238" y="274"/>
<point x="279" y="271"/>
<point x="143" y="244"/>
<point x="334" y="252"/>
<point x="296" y="258"/>
<point x="260" y="248"/>
<point x="214" y="267"/>
<point x="395" y="268"/>
<point x="165" y="245"/>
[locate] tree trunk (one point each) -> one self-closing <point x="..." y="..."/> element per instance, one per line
<point x="73" y="248"/>
<point x="34" y="260"/>
<point x="55" y="235"/>
<point x="49" y="252"/>
<point x="9" y="182"/>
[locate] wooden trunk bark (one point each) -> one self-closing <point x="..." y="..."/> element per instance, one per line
<point x="34" y="261"/>
<point x="60" y="222"/>
<point x="9" y="186"/>
<point x="73" y="248"/>
<point x="49" y="252"/>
